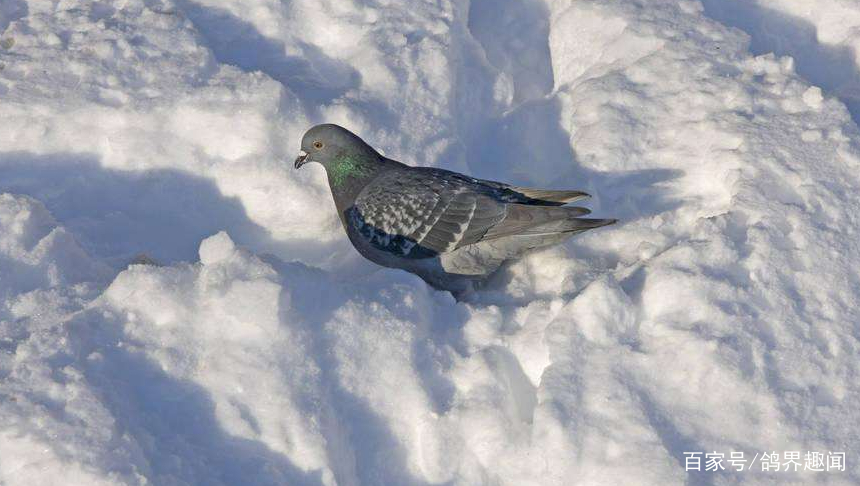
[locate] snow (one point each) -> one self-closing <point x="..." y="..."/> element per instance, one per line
<point x="821" y="37"/>
<point x="256" y="347"/>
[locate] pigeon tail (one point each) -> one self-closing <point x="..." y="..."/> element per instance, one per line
<point x="574" y="225"/>
<point x="529" y="219"/>
<point x="549" y="197"/>
<point x="531" y="196"/>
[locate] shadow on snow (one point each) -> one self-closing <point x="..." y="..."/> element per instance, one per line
<point x="118" y="214"/>
<point x="833" y="68"/>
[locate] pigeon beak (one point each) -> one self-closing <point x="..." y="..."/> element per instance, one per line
<point x="301" y="159"/>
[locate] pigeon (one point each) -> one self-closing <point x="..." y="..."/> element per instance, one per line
<point x="450" y="229"/>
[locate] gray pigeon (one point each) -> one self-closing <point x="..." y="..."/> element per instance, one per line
<point x="450" y="229"/>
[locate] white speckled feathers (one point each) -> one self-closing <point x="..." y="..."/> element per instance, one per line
<point x="421" y="212"/>
<point x="433" y="209"/>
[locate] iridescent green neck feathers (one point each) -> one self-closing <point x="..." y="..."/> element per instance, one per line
<point x="348" y="166"/>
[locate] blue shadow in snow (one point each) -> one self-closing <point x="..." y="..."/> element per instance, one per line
<point x="315" y="78"/>
<point x="514" y="35"/>
<point x="358" y="431"/>
<point x="172" y="421"/>
<point x="832" y="68"/>
<point x="531" y="144"/>
<point x="116" y="215"/>
<point x="10" y="11"/>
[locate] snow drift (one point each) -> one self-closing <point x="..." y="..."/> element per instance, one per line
<point x="720" y="314"/>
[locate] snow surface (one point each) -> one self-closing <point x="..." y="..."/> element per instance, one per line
<point x="721" y="314"/>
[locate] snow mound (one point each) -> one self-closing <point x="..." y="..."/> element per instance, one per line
<point x="38" y="255"/>
<point x="251" y="345"/>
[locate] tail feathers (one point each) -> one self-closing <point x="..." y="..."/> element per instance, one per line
<point x="549" y="197"/>
<point x="575" y="225"/>
<point x="533" y="197"/>
<point x="523" y="219"/>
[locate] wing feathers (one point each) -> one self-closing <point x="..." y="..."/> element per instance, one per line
<point x="419" y="212"/>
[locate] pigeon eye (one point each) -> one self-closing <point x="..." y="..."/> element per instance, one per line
<point x="318" y="145"/>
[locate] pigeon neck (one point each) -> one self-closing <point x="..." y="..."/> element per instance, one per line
<point x="348" y="173"/>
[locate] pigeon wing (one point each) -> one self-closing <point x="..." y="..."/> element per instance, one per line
<point x="420" y="214"/>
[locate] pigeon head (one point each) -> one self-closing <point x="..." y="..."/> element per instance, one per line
<point x="331" y="145"/>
